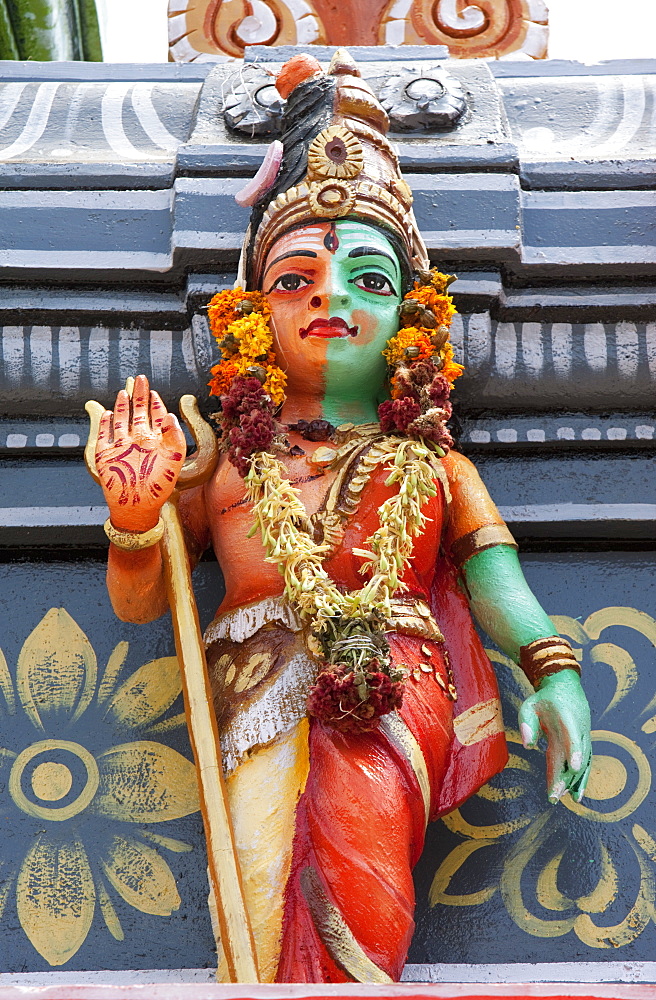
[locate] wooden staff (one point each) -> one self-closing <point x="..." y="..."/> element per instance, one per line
<point x="236" y="935"/>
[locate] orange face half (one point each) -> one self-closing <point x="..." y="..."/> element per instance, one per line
<point x="334" y="289"/>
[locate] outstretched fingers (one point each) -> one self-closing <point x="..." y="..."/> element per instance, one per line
<point x="121" y="425"/>
<point x="141" y="405"/>
<point x="104" y="439"/>
<point x="173" y="437"/>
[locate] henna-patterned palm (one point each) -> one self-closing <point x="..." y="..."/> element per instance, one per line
<point x="139" y="455"/>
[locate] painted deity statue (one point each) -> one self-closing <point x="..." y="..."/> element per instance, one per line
<point x="353" y="696"/>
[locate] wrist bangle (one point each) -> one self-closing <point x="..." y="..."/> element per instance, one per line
<point x="134" y="541"/>
<point x="547" y="656"/>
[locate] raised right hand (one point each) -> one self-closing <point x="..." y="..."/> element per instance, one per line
<point x="139" y="454"/>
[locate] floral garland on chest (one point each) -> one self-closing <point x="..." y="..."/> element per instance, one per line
<point x="358" y="683"/>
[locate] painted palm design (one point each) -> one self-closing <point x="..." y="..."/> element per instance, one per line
<point x="89" y="803"/>
<point x="557" y="869"/>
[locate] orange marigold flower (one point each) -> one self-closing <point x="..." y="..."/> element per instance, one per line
<point x="409" y="336"/>
<point x="440" y="305"/>
<point x="222" y="310"/>
<point x="450" y="368"/>
<point x="223" y="374"/>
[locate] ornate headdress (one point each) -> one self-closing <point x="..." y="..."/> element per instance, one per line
<point x="335" y="161"/>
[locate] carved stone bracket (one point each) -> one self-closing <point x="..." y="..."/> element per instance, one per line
<point x="252" y="104"/>
<point x="435" y="100"/>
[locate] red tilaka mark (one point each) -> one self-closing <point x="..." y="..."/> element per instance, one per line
<point x="331" y="239"/>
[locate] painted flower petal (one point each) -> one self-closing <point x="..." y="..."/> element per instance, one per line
<point x="141" y="877"/>
<point x="56" y="898"/>
<point x="147" y="694"/>
<point x="145" y="782"/>
<point x="56" y="674"/>
<point x="6" y="685"/>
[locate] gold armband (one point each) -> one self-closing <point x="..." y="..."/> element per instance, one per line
<point x="483" y="538"/>
<point x="134" y="541"/>
<point x="547" y="656"/>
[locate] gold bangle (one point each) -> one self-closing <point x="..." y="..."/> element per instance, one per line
<point x="134" y="541"/>
<point x="547" y="656"/>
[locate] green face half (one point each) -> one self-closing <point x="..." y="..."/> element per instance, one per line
<point x="334" y="290"/>
<point x="366" y="292"/>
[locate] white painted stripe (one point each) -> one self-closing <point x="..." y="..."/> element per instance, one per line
<point x="456" y="336"/>
<point x="535" y="434"/>
<point x="580" y="512"/>
<point x="479" y="340"/>
<point x="99" y="357"/>
<point x="595" y="254"/>
<point x="307" y="29"/>
<point x="198" y="239"/>
<point x="107" y="201"/>
<point x="69" y="359"/>
<point x="41" y="354"/>
<point x="35" y="124"/>
<point x="626" y="340"/>
<point x="566" y="434"/>
<point x="10" y="95"/>
<point x="479" y="437"/>
<point x="595" y="347"/>
<point x="598" y="200"/>
<point x="633" y="92"/>
<point x="561" y="347"/>
<point x="12" y="352"/>
<point x="505" y="349"/>
<point x="438" y="981"/>
<point x="66" y="259"/>
<point x="395" y="32"/>
<point x="645" y="432"/>
<point x="538" y="972"/>
<point x="55" y="517"/>
<point x="188" y="351"/>
<point x="650" y="339"/>
<point x="399" y="9"/>
<point x="471" y="238"/>
<point x="128" y="353"/>
<point x="44" y="440"/>
<point x="112" y="123"/>
<point x="471" y="182"/>
<point x="532" y="350"/>
<point x="507" y="434"/>
<point x="69" y="441"/>
<point x="161" y="353"/>
<point x="591" y="434"/>
<point x="16" y="440"/>
<point x="142" y="102"/>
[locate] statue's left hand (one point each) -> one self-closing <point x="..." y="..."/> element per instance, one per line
<point x="560" y="709"/>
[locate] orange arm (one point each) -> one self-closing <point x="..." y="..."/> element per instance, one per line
<point x="135" y="580"/>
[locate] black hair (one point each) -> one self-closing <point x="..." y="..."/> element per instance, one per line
<point x="309" y="109"/>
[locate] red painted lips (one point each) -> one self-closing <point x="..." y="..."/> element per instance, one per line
<point x="333" y="327"/>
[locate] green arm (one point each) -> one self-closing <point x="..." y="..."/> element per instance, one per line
<point x="506" y="608"/>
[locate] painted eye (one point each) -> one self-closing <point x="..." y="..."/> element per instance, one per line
<point x="374" y="281"/>
<point x="290" y="283"/>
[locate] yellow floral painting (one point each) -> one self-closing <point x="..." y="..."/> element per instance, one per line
<point x="100" y="807"/>
<point x="590" y="867"/>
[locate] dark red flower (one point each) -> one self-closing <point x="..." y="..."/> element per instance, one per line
<point x="336" y="701"/>
<point x="398" y="414"/>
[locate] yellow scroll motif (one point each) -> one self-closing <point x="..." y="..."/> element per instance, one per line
<point x="57" y="780"/>
<point x="529" y="844"/>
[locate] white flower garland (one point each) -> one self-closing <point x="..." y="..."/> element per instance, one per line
<point x="286" y="535"/>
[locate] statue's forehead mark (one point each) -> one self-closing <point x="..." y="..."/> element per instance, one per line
<point x="331" y="239"/>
